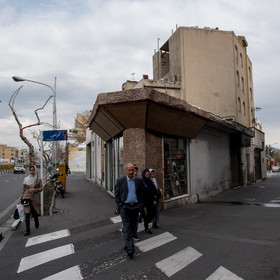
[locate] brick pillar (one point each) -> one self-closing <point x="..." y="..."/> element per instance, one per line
<point x="145" y="150"/>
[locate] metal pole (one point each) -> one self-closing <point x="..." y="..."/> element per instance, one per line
<point x="42" y="175"/>
<point x="55" y="119"/>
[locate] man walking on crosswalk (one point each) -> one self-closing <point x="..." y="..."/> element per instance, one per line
<point x="129" y="197"/>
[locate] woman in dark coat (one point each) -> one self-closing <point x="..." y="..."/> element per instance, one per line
<point x="149" y="199"/>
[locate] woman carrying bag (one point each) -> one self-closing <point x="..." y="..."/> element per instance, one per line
<point x="149" y="199"/>
<point x="30" y="198"/>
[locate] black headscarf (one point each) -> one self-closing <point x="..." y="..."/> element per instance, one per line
<point x="150" y="193"/>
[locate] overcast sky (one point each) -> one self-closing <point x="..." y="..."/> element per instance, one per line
<point x="94" y="46"/>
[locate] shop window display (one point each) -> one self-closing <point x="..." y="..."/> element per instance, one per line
<point x="175" y="163"/>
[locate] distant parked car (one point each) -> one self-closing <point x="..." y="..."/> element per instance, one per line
<point x="275" y="168"/>
<point x="19" y="168"/>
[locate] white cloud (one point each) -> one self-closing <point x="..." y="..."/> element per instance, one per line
<point x="93" y="46"/>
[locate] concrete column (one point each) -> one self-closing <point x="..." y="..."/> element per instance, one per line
<point x="145" y="150"/>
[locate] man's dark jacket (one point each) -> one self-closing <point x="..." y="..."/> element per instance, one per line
<point x="121" y="190"/>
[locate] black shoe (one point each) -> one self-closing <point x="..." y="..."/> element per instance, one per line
<point x="130" y="253"/>
<point x="148" y="230"/>
<point x="36" y="224"/>
<point x="155" y="225"/>
<point x="26" y="233"/>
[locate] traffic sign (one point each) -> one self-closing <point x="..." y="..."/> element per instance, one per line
<point x="55" y="135"/>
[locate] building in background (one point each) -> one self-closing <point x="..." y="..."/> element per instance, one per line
<point x="77" y="158"/>
<point x="13" y="155"/>
<point x="193" y="123"/>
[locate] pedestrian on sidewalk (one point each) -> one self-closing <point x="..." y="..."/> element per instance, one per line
<point x="157" y="206"/>
<point x="135" y="235"/>
<point x="149" y="199"/>
<point x="30" y="198"/>
<point x="129" y="198"/>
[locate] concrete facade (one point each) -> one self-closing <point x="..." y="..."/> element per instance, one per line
<point x="213" y="70"/>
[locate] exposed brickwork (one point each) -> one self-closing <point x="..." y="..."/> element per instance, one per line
<point x="145" y="150"/>
<point x="134" y="147"/>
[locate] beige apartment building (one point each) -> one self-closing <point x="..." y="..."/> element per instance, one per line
<point x="8" y="154"/>
<point x="12" y="155"/>
<point x="208" y="68"/>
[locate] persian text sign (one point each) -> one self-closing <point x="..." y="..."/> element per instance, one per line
<point x="55" y="135"/>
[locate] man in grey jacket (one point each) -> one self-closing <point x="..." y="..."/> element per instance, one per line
<point x="129" y="196"/>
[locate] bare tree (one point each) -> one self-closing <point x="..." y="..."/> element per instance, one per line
<point x="21" y="127"/>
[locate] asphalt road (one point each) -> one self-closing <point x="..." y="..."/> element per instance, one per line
<point x="10" y="190"/>
<point x="233" y="236"/>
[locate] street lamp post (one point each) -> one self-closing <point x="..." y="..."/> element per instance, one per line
<point x="19" y="79"/>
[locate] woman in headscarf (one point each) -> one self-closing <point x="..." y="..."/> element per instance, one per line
<point x="30" y="198"/>
<point x="157" y="206"/>
<point x="149" y="199"/>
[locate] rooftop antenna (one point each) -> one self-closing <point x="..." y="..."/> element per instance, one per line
<point x="132" y="74"/>
<point x="158" y="43"/>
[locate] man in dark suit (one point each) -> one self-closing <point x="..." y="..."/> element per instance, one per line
<point x="129" y="196"/>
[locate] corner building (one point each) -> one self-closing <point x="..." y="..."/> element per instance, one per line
<point x="193" y="123"/>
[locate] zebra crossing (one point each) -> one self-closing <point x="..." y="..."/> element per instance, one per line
<point x="168" y="266"/>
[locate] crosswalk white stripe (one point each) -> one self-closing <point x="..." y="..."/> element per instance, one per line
<point x="73" y="273"/>
<point x="116" y="219"/>
<point x="178" y="261"/>
<point x="223" y="274"/>
<point x="156" y="241"/>
<point x="47" y="237"/>
<point x="46" y="256"/>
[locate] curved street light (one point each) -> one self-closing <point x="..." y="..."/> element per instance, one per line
<point x="19" y="79"/>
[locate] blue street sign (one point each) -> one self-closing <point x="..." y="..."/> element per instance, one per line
<point x="55" y="135"/>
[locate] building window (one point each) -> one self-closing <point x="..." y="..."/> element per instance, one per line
<point x="175" y="167"/>
<point x="237" y="79"/>
<point x="241" y="60"/>
<point x="252" y="114"/>
<point x="114" y="151"/>
<point x="163" y="64"/>
<point x="242" y="84"/>
<point x="251" y="94"/>
<point x="239" y="105"/>
<point x="244" y="109"/>
<point x="236" y="54"/>
<point x="250" y="73"/>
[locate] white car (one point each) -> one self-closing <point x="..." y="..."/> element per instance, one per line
<point x="19" y="168"/>
<point x="275" y="168"/>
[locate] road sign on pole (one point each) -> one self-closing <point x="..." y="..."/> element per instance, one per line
<point x="55" y="135"/>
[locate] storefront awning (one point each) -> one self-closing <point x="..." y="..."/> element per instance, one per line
<point x="147" y="109"/>
<point x="152" y="110"/>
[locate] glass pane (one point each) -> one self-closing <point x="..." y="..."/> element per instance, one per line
<point x="120" y="157"/>
<point x="175" y="167"/>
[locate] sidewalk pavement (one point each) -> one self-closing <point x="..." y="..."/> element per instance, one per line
<point x="265" y="192"/>
<point x="84" y="202"/>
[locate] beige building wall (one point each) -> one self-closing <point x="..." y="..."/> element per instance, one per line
<point x="9" y="154"/>
<point x="214" y="71"/>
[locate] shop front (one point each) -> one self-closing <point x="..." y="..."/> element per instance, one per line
<point x="175" y="167"/>
<point x="154" y="130"/>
